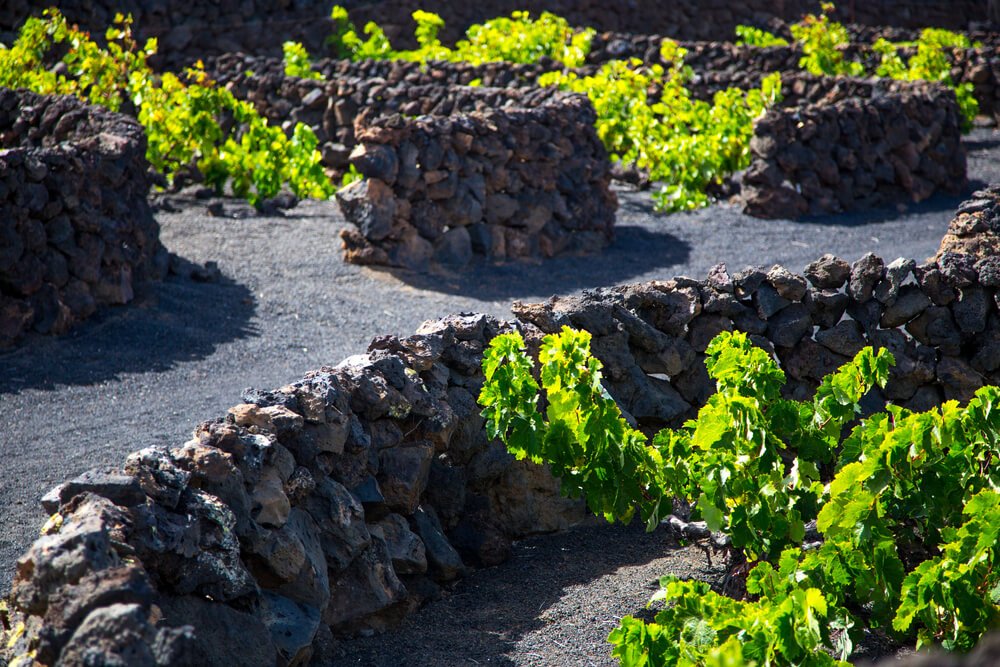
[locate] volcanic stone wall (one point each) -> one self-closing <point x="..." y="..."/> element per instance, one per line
<point x="866" y="143"/>
<point x="339" y="503"/>
<point x="719" y="65"/>
<point x="75" y="230"/>
<point x="452" y="171"/>
<point x="191" y="30"/>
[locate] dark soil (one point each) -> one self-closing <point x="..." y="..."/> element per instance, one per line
<point x="553" y="603"/>
<point x="148" y="373"/>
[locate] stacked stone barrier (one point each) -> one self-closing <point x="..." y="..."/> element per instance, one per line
<point x="188" y="31"/>
<point x="975" y="230"/>
<point x="339" y="503"/>
<point x="76" y="232"/>
<point x="847" y="144"/>
<point x="719" y="65"/>
<point x="451" y="171"/>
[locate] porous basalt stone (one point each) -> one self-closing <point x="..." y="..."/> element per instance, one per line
<point x="451" y="171"/>
<point x="76" y="232"/>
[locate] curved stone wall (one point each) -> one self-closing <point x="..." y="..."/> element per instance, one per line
<point x="719" y="65"/>
<point x="76" y="232"/>
<point x="846" y="144"/>
<point x="337" y="504"/>
<point x="452" y="171"/>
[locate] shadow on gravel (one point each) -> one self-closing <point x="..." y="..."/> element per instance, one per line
<point x="569" y="585"/>
<point x="940" y="203"/>
<point x="981" y="144"/>
<point x="169" y="322"/>
<point x="636" y="251"/>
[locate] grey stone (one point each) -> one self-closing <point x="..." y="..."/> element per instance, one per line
<point x="370" y="205"/>
<point x="366" y="588"/>
<point x="454" y="248"/>
<point x="403" y="475"/>
<point x="376" y="161"/>
<point x="80" y="547"/>
<point x="907" y="304"/>
<point x="828" y="272"/>
<point x="119" y="489"/>
<point x="935" y="327"/>
<point x="768" y="301"/>
<point x="958" y="379"/>
<point x="405" y="548"/>
<point x="158" y="475"/>
<point x="896" y="274"/>
<point x="826" y="306"/>
<point x="788" y="285"/>
<point x="291" y="626"/>
<point x="310" y="584"/>
<point x="845" y="338"/>
<point x="445" y="563"/>
<point x="865" y="274"/>
<point x="340" y="520"/>
<point x="971" y="309"/>
<point x="118" y="635"/>
<point x="193" y="550"/>
<point x="789" y="326"/>
<point x="221" y="632"/>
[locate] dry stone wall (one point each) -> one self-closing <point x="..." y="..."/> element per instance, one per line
<point x="337" y="504"/>
<point x="719" y="65"/>
<point x="452" y="171"/>
<point x="975" y="231"/>
<point x="76" y="232"/>
<point x="853" y="144"/>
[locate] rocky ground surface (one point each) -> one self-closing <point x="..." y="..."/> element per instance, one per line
<point x="283" y="302"/>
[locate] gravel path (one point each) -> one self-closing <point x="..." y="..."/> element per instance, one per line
<point x="148" y="373"/>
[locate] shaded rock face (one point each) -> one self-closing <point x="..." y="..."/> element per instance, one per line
<point x="720" y="63"/>
<point x="452" y="171"/>
<point x="339" y="503"/>
<point x="76" y="233"/>
<point x="847" y="144"/>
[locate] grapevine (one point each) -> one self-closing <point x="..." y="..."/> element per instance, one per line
<point x="908" y="500"/>
<point x="183" y="114"/>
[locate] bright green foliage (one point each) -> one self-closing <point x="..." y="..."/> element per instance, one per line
<point x="821" y="40"/>
<point x="751" y="457"/>
<point x="929" y="63"/>
<point x="738" y="461"/>
<point x="900" y="487"/>
<point x="98" y="75"/>
<point x="517" y="39"/>
<point x="181" y="114"/>
<point x="701" y="627"/>
<point x="583" y="436"/>
<point x="749" y="36"/>
<point x="956" y="596"/>
<point x="297" y="61"/>
<point x="685" y="144"/>
<point x="520" y="39"/>
<point x="346" y="42"/>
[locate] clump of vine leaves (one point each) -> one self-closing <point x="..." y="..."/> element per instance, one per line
<point x="907" y="504"/>
<point x="192" y="125"/>
<point x="822" y="41"/>
<point x="646" y="116"/>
